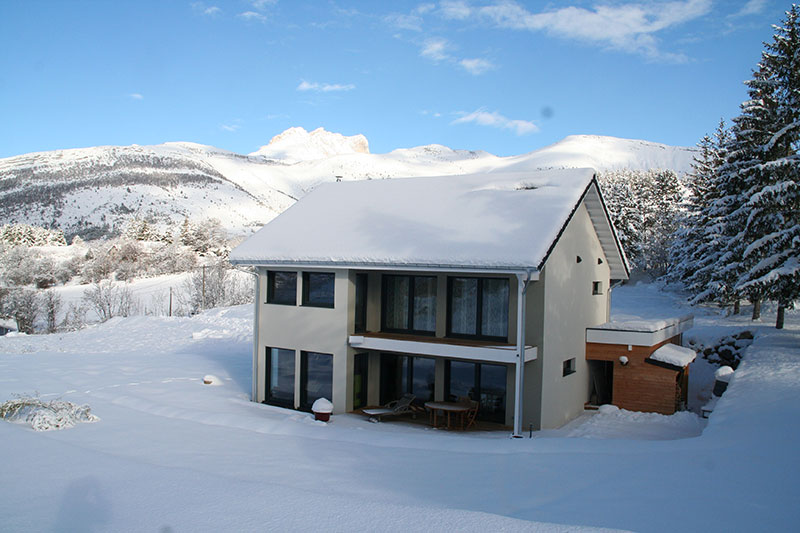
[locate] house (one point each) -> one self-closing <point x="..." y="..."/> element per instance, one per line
<point x="639" y="364"/>
<point x="479" y="285"/>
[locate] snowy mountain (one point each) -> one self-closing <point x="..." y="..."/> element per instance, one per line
<point x="94" y="191"/>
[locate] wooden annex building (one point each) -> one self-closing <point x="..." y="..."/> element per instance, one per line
<point x="640" y="365"/>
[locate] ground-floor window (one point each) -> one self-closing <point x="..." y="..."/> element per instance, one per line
<point x="401" y="374"/>
<point x="280" y="377"/>
<point x="316" y="378"/>
<point x="483" y="382"/>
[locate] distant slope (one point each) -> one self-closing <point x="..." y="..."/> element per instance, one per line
<point x="93" y="191"/>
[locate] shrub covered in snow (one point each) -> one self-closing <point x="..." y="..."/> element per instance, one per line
<point x="45" y="416"/>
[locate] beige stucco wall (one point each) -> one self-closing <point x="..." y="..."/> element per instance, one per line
<point x="312" y="329"/>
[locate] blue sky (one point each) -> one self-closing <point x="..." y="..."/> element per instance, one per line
<point x="501" y="76"/>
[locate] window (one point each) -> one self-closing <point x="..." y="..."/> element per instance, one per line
<point x="401" y="374"/>
<point x="478" y="307"/>
<point x="483" y="382"/>
<point x="362" y="283"/>
<point x="409" y="304"/>
<point x="280" y="377"/>
<point x="316" y="378"/>
<point x="318" y="289"/>
<point x="597" y="287"/>
<point x="569" y="367"/>
<point x="282" y="288"/>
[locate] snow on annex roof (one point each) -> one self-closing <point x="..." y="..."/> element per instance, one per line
<point x="503" y="221"/>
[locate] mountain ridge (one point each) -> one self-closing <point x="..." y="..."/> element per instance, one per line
<point x="95" y="191"/>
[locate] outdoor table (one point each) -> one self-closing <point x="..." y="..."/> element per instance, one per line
<point x="447" y="407"/>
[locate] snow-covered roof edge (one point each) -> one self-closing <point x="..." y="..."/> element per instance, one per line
<point x="639" y="333"/>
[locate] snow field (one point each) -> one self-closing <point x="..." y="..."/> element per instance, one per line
<point x="172" y="452"/>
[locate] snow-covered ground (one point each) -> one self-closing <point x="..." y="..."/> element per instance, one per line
<point x="170" y="453"/>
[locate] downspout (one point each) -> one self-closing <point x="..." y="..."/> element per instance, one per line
<point x="522" y="290"/>
<point x="254" y="376"/>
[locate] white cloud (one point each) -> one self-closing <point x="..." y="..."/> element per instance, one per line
<point x="262" y="4"/>
<point x="753" y="7"/>
<point x="476" y="66"/>
<point x="626" y="27"/>
<point x="435" y="49"/>
<point x="455" y="10"/>
<point x="405" y="22"/>
<point x="496" y="120"/>
<point x="136" y="96"/>
<point x="201" y="8"/>
<point x="229" y="127"/>
<point x="252" y="15"/>
<point x="324" y="87"/>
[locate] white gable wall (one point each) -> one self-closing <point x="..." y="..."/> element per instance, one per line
<point x="560" y="308"/>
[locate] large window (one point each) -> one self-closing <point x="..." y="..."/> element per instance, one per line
<point x="316" y="378"/>
<point x="280" y="377"/>
<point x="409" y="304"/>
<point x="282" y="288"/>
<point x="318" y="289"/>
<point x="485" y="383"/>
<point x="362" y="282"/>
<point x="401" y="374"/>
<point x="478" y="307"/>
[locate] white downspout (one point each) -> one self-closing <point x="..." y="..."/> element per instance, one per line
<point x="522" y="289"/>
<point x="254" y="390"/>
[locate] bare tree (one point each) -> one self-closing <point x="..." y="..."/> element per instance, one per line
<point x="51" y="305"/>
<point x="109" y="300"/>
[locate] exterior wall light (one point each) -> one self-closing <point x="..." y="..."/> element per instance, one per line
<point x="623" y="360"/>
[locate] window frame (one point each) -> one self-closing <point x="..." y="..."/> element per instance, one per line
<point x="304" y="404"/>
<point x="568" y="367"/>
<point x="271" y="287"/>
<point x="410" y="310"/>
<point x="307" y="289"/>
<point x="478" y="311"/>
<point x="268" y="374"/>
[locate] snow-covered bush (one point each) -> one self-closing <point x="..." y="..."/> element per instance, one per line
<point x="23" y="305"/>
<point x="45" y="416"/>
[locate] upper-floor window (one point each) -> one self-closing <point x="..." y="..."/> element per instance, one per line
<point x="281" y="287"/>
<point x="478" y="307"/>
<point x="318" y="289"/>
<point x="409" y="304"/>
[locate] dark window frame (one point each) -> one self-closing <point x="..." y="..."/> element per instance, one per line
<point x="411" y="287"/>
<point x="568" y="367"/>
<point x="478" y="311"/>
<point x="307" y="289"/>
<point x="267" y="378"/>
<point x="271" y="287"/>
<point x="597" y="288"/>
<point x="305" y="405"/>
<point x="409" y="377"/>
<point x="361" y="303"/>
<point x="478" y="389"/>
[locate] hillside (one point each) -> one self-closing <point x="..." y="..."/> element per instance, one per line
<point x="93" y="191"/>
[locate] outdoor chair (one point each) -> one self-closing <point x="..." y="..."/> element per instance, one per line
<point x="472" y="413"/>
<point x="393" y="408"/>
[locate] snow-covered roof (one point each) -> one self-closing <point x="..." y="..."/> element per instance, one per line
<point x="481" y="221"/>
<point x="639" y="331"/>
<point x="673" y="354"/>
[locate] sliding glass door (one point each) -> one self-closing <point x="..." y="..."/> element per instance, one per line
<point x="483" y="382"/>
<point x="316" y="378"/>
<point x="279" y="377"/>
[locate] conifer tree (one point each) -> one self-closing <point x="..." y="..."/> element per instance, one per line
<point x="764" y="255"/>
